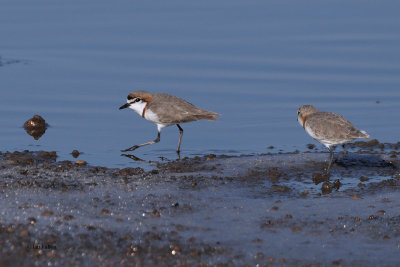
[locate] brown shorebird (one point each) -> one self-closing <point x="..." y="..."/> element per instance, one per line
<point x="165" y="110"/>
<point x="328" y="128"/>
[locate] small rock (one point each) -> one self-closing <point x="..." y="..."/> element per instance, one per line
<point x="381" y="212"/>
<point x="269" y="223"/>
<point x="47" y="213"/>
<point x="131" y="171"/>
<point x="75" y="153"/>
<point x="105" y="211"/>
<point x="337" y="184"/>
<point x="155" y="213"/>
<point x="337" y="262"/>
<point x="371" y="143"/>
<point x="281" y="188"/>
<point x="296" y="229"/>
<point x="259" y="256"/>
<point x="310" y="146"/>
<point x="24" y="232"/>
<point x="320" y="177"/>
<point x="35" y="126"/>
<point x="326" y="188"/>
<point x="304" y="193"/>
<point x="211" y="157"/>
<point x="31" y="220"/>
<point x="80" y="162"/>
<point x="68" y="217"/>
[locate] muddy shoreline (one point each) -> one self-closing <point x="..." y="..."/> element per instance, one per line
<point x="268" y="209"/>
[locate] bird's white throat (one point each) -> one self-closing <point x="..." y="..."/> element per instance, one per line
<point x="138" y="107"/>
<point x="148" y="115"/>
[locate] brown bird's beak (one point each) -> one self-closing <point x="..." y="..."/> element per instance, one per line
<point x="125" y="106"/>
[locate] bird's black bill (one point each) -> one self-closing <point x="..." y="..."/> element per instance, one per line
<point x="124" y="106"/>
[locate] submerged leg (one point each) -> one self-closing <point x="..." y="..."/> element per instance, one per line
<point x="145" y="144"/>
<point x="180" y="138"/>
<point x="330" y="160"/>
<point x="343" y="154"/>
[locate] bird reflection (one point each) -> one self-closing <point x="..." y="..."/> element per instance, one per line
<point x="133" y="157"/>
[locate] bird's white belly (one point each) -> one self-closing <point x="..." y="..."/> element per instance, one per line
<point x="151" y="116"/>
<point x="318" y="138"/>
<point x="325" y="141"/>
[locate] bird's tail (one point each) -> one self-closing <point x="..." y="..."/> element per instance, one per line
<point x="209" y="115"/>
<point x="364" y="134"/>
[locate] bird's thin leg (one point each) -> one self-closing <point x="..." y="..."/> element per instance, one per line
<point x="180" y="138"/>
<point x="343" y="154"/>
<point x="145" y="144"/>
<point x="330" y="160"/>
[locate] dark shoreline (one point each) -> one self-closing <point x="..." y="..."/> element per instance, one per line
<point x="209" y="210"/>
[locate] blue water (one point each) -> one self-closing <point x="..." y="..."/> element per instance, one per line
<point x="254" y="62"/>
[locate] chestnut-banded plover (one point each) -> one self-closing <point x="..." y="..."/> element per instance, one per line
<point x="328" y="128"/>
<point x="165" y="110"/>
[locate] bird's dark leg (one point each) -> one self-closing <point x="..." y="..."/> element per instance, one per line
<point x="343" y="154"/>
<point x="180" y="138"/>
<point x="330" y="160"/>
<point x="145" y="144"/>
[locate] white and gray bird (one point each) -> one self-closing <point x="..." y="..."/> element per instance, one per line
<point x="328" y="128"/>
<point x="165" y="110"/>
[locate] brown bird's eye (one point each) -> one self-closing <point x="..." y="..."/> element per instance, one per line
<point x="137" y="100"/>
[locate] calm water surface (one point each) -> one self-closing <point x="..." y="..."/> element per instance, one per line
<point x="254" y="62"/>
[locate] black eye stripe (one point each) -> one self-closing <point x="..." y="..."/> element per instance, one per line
<point x="129" y="97"/>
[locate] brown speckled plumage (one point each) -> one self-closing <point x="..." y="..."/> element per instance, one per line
<point x="175" y="110"/>
<point x="165" y="110"/>
<point x="328" y="128"/>
<point x="332" y="126"/>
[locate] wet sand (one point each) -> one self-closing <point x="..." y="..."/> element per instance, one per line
<point x="269" y="209"/>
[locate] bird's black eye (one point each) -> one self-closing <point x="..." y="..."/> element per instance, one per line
<point x="137" y="100"/>
<point x="129" y="97"/>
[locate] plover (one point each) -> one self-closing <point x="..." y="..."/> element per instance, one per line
<point x="165" y="110"/>
<point x="328" y="128"/>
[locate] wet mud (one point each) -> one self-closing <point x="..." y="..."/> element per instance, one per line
<point x="271" y="209"/>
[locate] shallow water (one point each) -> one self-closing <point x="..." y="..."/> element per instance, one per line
<point x="255" y="63"/>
